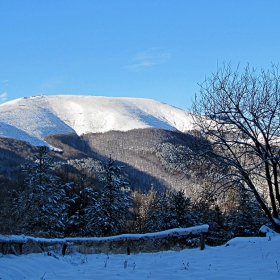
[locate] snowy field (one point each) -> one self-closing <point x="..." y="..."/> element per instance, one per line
<point x="240" y="258"/>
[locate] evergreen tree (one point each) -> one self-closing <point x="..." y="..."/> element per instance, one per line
<point x="182" y="207"/>
<point x="207" y="211"/>
<point x="162" y="214"/>
<point x="171" y="209"/>
<point x="40" y="206"/>
<point x="82" y="201"/>
<point x="247" y="217"/>
<point x="112" y="208"/>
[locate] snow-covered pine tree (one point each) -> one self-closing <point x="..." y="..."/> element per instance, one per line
<point x="40" y="206"/>
<point x="112" y="208"/>
<point x="182" y="207"/>
<point x="90" y="211"/>
<point x="247" y="217"/>
<point x="207" y="211"/>
<point x="170" y="209"/>
<point x="162" y="215"/>
<point x="204" y="204"/>
<point x="81" y="213"/>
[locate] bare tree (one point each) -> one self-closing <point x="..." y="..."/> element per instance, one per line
<point x="238" y="114"/>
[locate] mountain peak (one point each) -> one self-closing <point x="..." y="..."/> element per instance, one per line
<point x="31" y="119"/>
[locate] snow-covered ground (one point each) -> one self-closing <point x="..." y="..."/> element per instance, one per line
<point x="241" y="258"/>
<point x="31" y="119"/>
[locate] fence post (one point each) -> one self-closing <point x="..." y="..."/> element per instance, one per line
<point x="202" y="241"/>
<point x="64" y="247"/>
<point x="127" y="247"/>
<point x="20" y="248"/>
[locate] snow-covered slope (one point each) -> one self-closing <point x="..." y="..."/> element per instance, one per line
<point x="31" y="119"/>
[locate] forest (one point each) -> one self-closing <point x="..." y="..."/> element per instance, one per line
<point x="48" y="204"/>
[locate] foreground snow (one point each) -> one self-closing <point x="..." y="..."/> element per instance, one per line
<point x="240" y="258"/>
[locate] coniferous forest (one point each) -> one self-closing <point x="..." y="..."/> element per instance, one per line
<point x="48" y="204"/>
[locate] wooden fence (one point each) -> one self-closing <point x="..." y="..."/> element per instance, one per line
<point x="15" y="243"/>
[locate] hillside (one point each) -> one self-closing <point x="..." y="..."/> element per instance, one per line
<point x="148" y="155"/>
<point x="143" y="135"/>
<point x="31" y="119"/>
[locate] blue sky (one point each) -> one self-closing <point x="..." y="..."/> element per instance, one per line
<point x="158" y="49"/>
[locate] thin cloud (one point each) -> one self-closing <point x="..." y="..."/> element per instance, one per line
<point x="148" y="59"/>
<point x="3" y="96"/>
<point x="4" y="81"/>
<point x="51" y="83"/>
<point x="141" y="65"/>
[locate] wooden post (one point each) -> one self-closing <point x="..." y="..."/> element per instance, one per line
<point x="202" y="241"/>
<point x="127" y="247"/>
<point x="64" y="247"/>
<point x="41" y="246"/>
<point x="20" y="248"/>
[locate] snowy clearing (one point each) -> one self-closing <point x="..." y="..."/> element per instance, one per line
<point x="240" y="258"/>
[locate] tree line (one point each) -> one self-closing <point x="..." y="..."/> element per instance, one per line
<point x="44" y="206"/>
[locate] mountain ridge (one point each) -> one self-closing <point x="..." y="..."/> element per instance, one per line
<point x="31" y="119"/>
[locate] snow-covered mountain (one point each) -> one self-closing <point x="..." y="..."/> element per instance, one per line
<point x="31" y="119"/>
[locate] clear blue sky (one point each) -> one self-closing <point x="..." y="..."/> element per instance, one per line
<point x="158" y="49"/>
